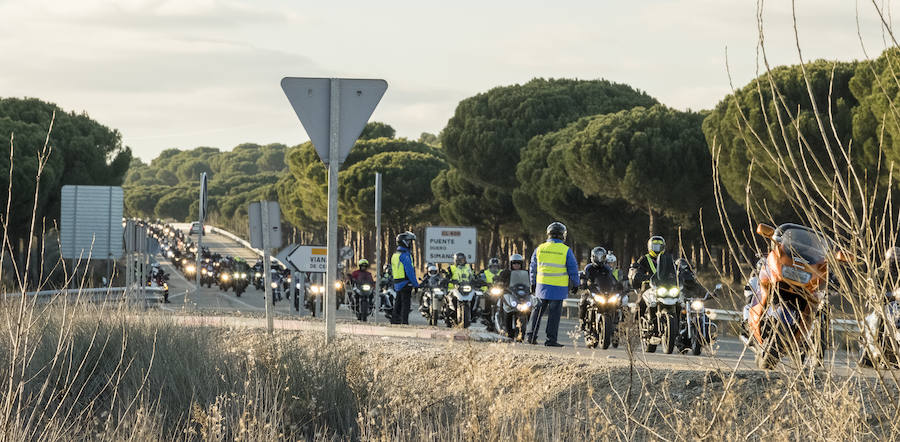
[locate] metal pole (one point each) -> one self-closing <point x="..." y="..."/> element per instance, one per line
<point x="199" y="251"/>
<point x="377" y="238"/>
<point x="333" y="166"/>
<point x="264" y="212"/>
<point x="295" y="280"/>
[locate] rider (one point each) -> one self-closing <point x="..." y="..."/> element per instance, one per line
<point x="362" y="274"/>
<point x="516" y="262"/>
<point x="459" y="271"/>
<point x="686" y="277"/>
<point x="597" y="274"/>
<point x="655" y="261"/>
<point x="488" y="274"/>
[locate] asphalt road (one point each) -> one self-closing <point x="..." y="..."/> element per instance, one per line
<point x="727" y="353"/>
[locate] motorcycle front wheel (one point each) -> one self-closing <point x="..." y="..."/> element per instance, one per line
<point x="465" y="313"/>
<point x="668" y="332"/>
<point x="605" y="328"/>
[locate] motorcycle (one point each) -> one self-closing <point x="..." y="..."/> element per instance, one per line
<point x="433" y="300"/>
<point x="697" y="330"/>
<point x="313" y="293"/>
<point x="604" y="313"/>
<point x="489" y="300"/>
<point x="386" y="299"/>
<point x="513" y="311"/>
<point x="783" y="315"/>
<point x="361" y="299"/>
<point x="880" y="340"/>
<point x="239" y="283"/>
<point x="206" y="276"/>
<point x="659" y="324"/>
<point x="460" y="302"/>
<point x="224" y="280"/>
<point x="258" y="280"/>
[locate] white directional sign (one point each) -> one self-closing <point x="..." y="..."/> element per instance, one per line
<point x="311" y="99"/>
<point x="91" y="222"/>
<point x="313" y="259"/>
<point x="443" y="243"/>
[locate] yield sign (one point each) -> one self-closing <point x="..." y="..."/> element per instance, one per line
<point x="311" y="99"/>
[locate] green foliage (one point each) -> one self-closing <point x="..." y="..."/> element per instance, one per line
<point x="408" y="168"/>
<point x="493" y="127"/>
<point x="745" y="127"/>
<point x="876" y="120"/>
<point x="175" y="205"/>
<point x="83" y="152"/>
<point x="377" y="129"/>
<point x="653" y="158"/>
<point x="406" y="177"/>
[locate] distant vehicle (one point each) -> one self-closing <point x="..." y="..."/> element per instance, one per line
<point x="195" y="228"/>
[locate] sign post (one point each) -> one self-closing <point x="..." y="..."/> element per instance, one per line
<point x="348" y="104"/>
<point x="265" y="234"/>
<point x="377" y="238"/>
<point x="202" y="216"/>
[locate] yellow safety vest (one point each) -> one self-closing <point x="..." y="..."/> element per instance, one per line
<point x="551" y="264"/>
<point x="397" y="270"/>
<point x="652" y="263"/>
<point x="489" y="277"/>
<point x="458" y="273"/>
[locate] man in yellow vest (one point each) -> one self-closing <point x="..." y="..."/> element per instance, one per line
<point x="554" y="273"/>
<point x="404" y="275"/>
<point x="460" y="271"/>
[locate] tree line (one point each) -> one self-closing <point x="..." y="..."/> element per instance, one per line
<point x="608" y="160"/>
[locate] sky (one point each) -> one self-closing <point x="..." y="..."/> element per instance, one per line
<point x="188" y="73"/>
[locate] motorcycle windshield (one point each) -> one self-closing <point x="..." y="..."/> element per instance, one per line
<point x="666" y="273"/>
<point x="803" y="242"/>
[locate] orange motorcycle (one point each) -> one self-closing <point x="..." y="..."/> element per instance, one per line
<point x="787" y="294"/>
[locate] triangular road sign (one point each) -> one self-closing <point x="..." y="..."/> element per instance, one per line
<point x="311" y="100"/>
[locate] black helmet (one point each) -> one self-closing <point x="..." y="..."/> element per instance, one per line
<point x="656" y="245"/>
<point x="494" y="263"/>
<point x="406" y="239"/>
<point x="556" y="230"/>
<point x="598" y="255"/>
<point x="460" y="258"/>
<point x="516" y="258"/>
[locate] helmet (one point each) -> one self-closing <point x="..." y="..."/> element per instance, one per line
<point x="556" y="230"/>
<point x="611" y="259"/>
<point x="598" y="255"/>
<point x="683" y="265"/>
<point x="432" y="270"/>
<point x="656" y="245"/>
<point x="460" y="258"/>
<point x="363" y="263"/>
<point x="494" y="263"/>
<point x="517" y="259"/>
<point x="406" y="239"/>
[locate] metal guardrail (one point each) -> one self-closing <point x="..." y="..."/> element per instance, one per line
<point x="843" y="325"/>
<point x="95" y="295"/>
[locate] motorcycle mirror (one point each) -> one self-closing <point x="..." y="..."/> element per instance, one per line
<point x="765" y="230"/>
<point x="718" y="290"/>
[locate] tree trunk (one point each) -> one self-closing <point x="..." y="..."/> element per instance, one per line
<point x="652" y="220"/>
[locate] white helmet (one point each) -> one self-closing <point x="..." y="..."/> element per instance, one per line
<point x="611" y="259"/>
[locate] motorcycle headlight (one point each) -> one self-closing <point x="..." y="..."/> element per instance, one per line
<point x="338" y="285"/>
<point x="523" y="306"/>
<point x="243" y="276"/>
<point x="496" y="291"/>
<point x="169" y="254"/>
<point x="366" y="287"/>
<point x="191" y="269"/>
<point x="298" y="286"/>
<point x="614" y="299"/>
<point x="274" y="285"/>
<point x="258" y="275"/>
<point x="661" y="291"/>
<point x="225" y="277"/>
<point x="466" y="288"/>
<point x="202" y="271"/>
<point x="288" y="279"/>
<point x="697" y="305"/>
<point x="599" y="299"/>
<point x="674" y="291"/>
<point x="438" y="291"/>
<point x="795" y="274"/>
